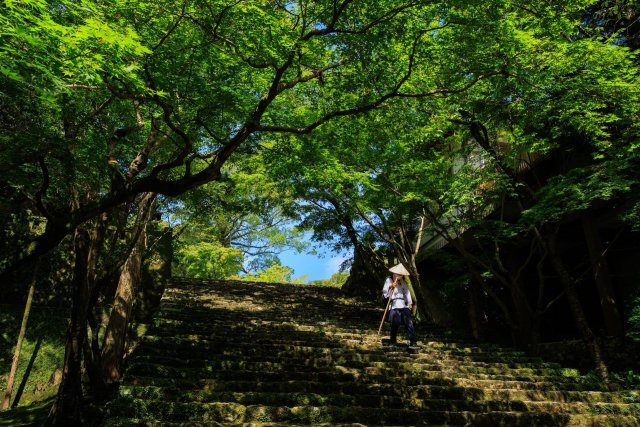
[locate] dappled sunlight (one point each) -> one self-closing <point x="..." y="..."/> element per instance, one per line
<point x="234" y="352"/>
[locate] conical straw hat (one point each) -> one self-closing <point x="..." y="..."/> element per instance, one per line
<point x="399" y="269"/>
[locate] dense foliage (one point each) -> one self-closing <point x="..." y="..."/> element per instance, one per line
<point x="376" y="125"/>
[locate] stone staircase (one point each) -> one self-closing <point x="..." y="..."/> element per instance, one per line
<point x="237" y="353"/>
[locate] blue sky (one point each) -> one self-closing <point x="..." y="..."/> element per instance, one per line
<point x="320" y="266"/>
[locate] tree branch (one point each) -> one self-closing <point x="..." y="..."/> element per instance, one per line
<point x="172" y="29"/>
<point x="43" y="188"/>
<point x="139" y="163"/>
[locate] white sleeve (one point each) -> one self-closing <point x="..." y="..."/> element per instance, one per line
<point x="385" y="288"/>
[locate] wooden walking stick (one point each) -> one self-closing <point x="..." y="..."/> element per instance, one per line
<point x="385" y="313"/>
<point x="391" y="291"/>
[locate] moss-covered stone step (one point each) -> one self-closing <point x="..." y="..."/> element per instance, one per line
<point x="298" y="355"/>
<point x="277" y="386"/>
<point x="352" y="387"/>
<point x="404" y="401"/>
<point x="424" y="377"/>
<point x="337" y="354"/>
<point x="147" y="422"/>
<point x="415" y="368"/>
<point x="276" y="332"/>
<point x="478" y="393"/>
<point x="263" y="344"/>
<point x="228" y="326"/>
<point x="353" y="359"/>
<point x="269" y="306"/>
<point x="336" y="374"/>
<point x="212" y="316"/>
<point x="209" y="322"/>
<point x="184" y="347"/>
<point x="365" y="394"/>
<point x="283" y="329"/>
<point x="285" y="332"/>
<point x="360" y="369"/>
<point x="228" y="412"/>
<point x="199" y="343"/>
<point x="155" y="370"/>
<point x="277" y="364"/>
<point x="256" y="300"/>
<point x="265" y="398"/>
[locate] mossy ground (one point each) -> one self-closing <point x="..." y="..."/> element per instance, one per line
<point x="41" y="355"/>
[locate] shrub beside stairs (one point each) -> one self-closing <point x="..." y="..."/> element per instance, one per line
<point x="237" y="353"/>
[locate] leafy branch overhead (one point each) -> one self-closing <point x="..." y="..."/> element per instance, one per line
<point x="158" y="96"/>
<point x="170" y="83"/>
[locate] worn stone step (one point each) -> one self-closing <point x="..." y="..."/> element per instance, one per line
<point x="275" y="332"/>
<point x="334" y="373"/>
<point x="200" y="343"/>
<point x="478" y="393"/>
<point x="186" y="348"/>
<point x="366" y="334"/>
<point x="227" y="412"/>
<point x="349" y="386"/>
<point x="288" y="332"/>
<point x="209" y="320"/>
<point x="230" y="325"/>
<point x="328" y="358"/>
<point x="357" y="391"/>
<point x="195" y="314"/>
<point x="221" y="353"/>
<point x="403" y="401"/>
<point x="137" y="422"/>
<point x="382" y="367"/>
<point x="157" y="370"/>
<point x="263" y="398"/>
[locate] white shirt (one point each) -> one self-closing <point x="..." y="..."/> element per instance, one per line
<point x="401" y="296"/>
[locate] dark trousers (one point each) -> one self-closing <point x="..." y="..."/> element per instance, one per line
<point x="401" y="315"/>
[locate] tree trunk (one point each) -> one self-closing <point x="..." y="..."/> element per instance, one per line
<point x="115" y="337"/>
<point x="91" y="346"/>
<point x="589" y="338"/>
<point x="474" y="263"/>
<point x="476" y="318"/>
<point x="428" y="298"/>
<point x="23" y="329"/>
<point x="548" y="242"/>
<point x="365" y="278"/>
<point x="67" y="408"/>
<point x="602" y="278"/>
<point x="114" y="347"/>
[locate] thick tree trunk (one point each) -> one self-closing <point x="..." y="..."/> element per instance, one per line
<point x="23" y="329"/>
<point x="67" y="408"/>
<point x="115" y="337"/>
<point x="602" y="278"/>
<point x="365" y="278"/>
<point x="114" y="347"/>
<point x="589" y="338"/>
<point x="91" y="346"/>
<point x="156" y="272"/>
